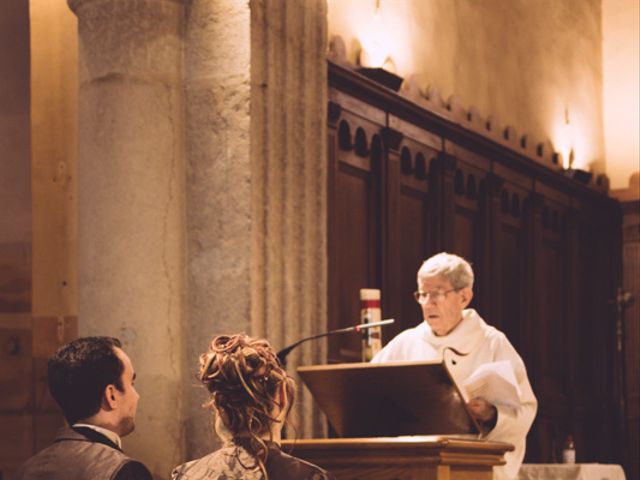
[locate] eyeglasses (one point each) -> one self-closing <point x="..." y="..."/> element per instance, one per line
<point x="434" y="295"/>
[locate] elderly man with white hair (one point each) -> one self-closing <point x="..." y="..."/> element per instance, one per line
<point x="445" y="289"/>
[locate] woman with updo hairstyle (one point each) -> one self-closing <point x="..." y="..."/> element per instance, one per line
<point x="250" y="395"/>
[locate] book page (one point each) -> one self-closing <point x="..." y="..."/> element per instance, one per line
<point x="496" y="383"/>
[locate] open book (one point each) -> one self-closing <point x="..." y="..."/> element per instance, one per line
<point x="495" y="382"/>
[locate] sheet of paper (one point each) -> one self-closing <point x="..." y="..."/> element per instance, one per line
<point x="496" y="383"/>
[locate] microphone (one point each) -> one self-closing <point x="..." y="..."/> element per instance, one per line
<point x="282" y="354"/>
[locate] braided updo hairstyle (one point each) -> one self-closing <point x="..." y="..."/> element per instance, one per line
<point x="244" y="378"/>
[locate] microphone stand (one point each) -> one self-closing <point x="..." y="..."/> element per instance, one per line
<point x="282" y="354"/>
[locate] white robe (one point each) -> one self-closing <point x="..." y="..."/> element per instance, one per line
<point x="484" y="344"/>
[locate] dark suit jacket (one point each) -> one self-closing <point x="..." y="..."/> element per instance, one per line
<point x="82" y="454"/>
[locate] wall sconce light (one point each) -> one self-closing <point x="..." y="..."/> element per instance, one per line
<point x="582" y="176"/>
<point x="382" y="72"/>
<point x="375" y="62"/>
<point x="382" y="76"/>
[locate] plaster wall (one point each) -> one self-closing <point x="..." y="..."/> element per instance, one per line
<point x="54" y="118"/>
<point x="530" y="65"/>
<point x="621" y="72"/>
<point x="15" y="158"/>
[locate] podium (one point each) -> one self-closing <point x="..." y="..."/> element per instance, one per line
<point x="402" y="458"/>
<point x="399" y="421"/>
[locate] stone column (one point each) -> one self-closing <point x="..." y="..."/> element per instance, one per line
<point x="288" y="186"/>
<point x="131" y="204"/>
<point x="218" y="57"/>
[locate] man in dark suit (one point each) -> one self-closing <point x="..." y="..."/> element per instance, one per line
<point x="92" y="379"/>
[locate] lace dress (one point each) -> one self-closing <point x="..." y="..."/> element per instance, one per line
<point x="234" y="462"/>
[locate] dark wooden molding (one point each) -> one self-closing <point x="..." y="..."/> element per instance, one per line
<point x="392" y="138"/>
<point x="447" y="164"/>
<point x="334" y="110"/>
<point x="352" y="83"/>
<point x="494" y="183"/>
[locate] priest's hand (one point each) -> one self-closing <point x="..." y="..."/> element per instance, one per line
<point x="483" y="411"/>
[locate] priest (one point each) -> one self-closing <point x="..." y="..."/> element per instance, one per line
<point x="445" y="289"/>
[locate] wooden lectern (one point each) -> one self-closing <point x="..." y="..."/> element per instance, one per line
<point x="390" y="413"/>
<point x="402" y="458"/>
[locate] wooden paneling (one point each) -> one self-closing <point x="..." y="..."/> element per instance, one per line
<point x="16" y="370"/>
<point x="408" y="229"/>
<point x="549" y="289"/>
<point x="19" y="429"/>
<point x="29" y="417"/>
<point x="546" y="252"/>
<point x="465" y="211"/>
<point x="631" y="325"/>
<point x="354" y="172"/>
<point x="509" y="205"/>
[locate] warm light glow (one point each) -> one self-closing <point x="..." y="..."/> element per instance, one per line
<point x="621" y="95"/>
<point x="452" y="50"/>
<point x="376" y="32"/>
<point x="374" y="48"/>
<point x="568" y="138"/>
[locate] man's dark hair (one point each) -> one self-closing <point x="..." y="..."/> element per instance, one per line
<point x="80" y="371"/>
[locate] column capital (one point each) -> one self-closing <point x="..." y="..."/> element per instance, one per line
<point x="75" y="5"/>
<point x="131" y="40"/>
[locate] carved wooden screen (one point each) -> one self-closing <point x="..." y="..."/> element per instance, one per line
<point x="549" y="290"/>
<point x="631" y="329"/>
<point x="354" y="211"/>
<point x="465" y="220"/>
<point x="411" y="163"/>
<point x="549" y="309"/>
<point x="510" y="202"/>
<point x="545" y="249"/>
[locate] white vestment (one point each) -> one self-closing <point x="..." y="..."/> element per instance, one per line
<point x="484" y="344"/>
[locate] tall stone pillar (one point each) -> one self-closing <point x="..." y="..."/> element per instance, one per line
<point x="289" y="186"/>
<point x="131" y="204"/>
<point x="218" y="58"/>
<point x="256" y="97"/>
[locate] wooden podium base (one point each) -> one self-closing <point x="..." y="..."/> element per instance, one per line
<point x="402" y="458"/>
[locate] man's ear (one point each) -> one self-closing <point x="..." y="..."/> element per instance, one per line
<point x="466" y="295"/>
<point x="109" y="397"/>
